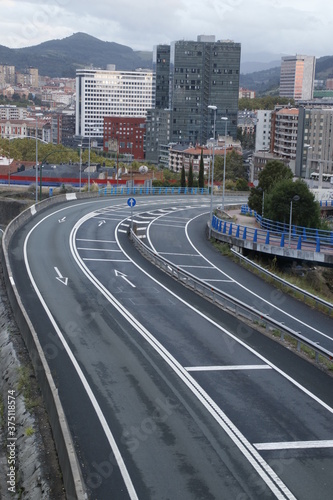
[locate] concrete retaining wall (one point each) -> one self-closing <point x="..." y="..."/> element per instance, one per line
<point x="73" y="480"/>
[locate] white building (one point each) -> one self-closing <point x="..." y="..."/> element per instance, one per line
<point x="101" y="93"/>
<point x="263" y="130"/>
<point x="12" y="112"/>
<point x="297" y="77"/>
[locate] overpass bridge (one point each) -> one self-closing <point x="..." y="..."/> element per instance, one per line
<point x="246" y="230"/>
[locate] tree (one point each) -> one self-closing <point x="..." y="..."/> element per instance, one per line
<point x="201" y="171"/>
<point x="305" y="211"/>
<point x="274" y="172"/>
<point x="190" y="175"/>
<point x="234" y="166"/>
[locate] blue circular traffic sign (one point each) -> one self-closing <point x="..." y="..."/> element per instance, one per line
<point x="131" y="202"/>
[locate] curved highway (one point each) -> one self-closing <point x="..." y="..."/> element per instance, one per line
<point x="167" y="396"/>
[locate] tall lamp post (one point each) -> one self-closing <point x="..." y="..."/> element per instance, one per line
<point x="37" y="115"/>
<point x="80" y="146"/>
<point x="89" y="161"/>
<point x="294" y="198"/>
<point x="225" y="119"/>
<point x="214" y="108"/>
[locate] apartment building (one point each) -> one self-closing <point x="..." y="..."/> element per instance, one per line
<point x="315" y="141"/>
<point x="263" y="130"/>
<point x="105" y="93"/>
<point x="297" y="77"/>
<point x="284" y="134"/>
<point x="125" y="135"/>
<point x="12" y="112"/>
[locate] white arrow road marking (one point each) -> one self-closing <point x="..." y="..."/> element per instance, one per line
<point x="102" y="222"/>
<point x="62" y="220"/>
<point x="122" y="275"/>
<point x="60" y="277"/>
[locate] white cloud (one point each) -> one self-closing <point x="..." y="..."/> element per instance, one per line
<point x="279" y="26"/>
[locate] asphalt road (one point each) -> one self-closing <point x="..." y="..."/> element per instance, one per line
<point x="168" y="397"/>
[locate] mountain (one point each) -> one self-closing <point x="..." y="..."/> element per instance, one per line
<point x="62" y="57"/>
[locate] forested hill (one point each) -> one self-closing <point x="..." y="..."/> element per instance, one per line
<point x="62" y="57"/>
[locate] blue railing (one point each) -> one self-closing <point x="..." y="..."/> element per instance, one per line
<point x="141" y="190"/>
<point x="276" y="235"/>
<point x="303" y="234"/>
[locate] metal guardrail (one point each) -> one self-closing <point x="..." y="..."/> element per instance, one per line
<point x="141" y="190"/>
<point x="227" y="302"/>
<point x="316" y="300"/>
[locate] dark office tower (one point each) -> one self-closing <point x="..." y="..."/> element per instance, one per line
<point x="161" y="66"/>
<point x="203" y="73"/>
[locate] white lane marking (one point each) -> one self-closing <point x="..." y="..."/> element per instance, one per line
<point x="100" y="249"/>
<point x="105" y="260"/>
<point x="124" y="277"/>
<point x="60" y="277"/>
<point x="61" y="220"/>
<point x="93" y="400"/>
<point x="11" y="279"/>
<point x="259" y="464"/>
<point x="226" y="368"/>
<point x="168" y="225"/>
<point x="294" y="445"/>
<point x="122" y="231"/>
<point x="250" y="291"/>
<point x="97" y="241"/>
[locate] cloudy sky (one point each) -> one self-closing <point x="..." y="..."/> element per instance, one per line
<point x="274" y="26"/>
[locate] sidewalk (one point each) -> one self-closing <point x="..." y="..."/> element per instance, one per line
<point x="242" y="220"/>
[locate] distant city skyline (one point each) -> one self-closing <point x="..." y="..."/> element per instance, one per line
<point x="278" y="27"/>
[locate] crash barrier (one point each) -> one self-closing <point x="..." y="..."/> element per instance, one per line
<point x="228" y="303"/>
<point x="317" y="301"/>
<point x="141" y="190"/>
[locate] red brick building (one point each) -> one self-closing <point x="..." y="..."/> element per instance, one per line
<point x="124" y="135"/>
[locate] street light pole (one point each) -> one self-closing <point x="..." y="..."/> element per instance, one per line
<point x="295" y="198"/>
<point x="89" y="162"/>
<point x="37" y="115"/>
<point x="225" y="119"/>
<point x="214" y="108"/>
<point x="80" y="146"/>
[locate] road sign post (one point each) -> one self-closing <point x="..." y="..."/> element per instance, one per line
<point x="131" y="202"/>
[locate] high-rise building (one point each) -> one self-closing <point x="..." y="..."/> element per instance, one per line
<point x="101" y="93"/>
<point x="203" y="73"/>
<point x="297" y="77"/>
<point x="190" y="76"/>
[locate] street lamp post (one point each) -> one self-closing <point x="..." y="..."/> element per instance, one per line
<point x="37" y="115"/>
<point x="295" y="198"/>
<point x="225" y="119"/>
<point x="214" y="108"/>
<point x="89" y="161"/>
<point x="80" y="146"/>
